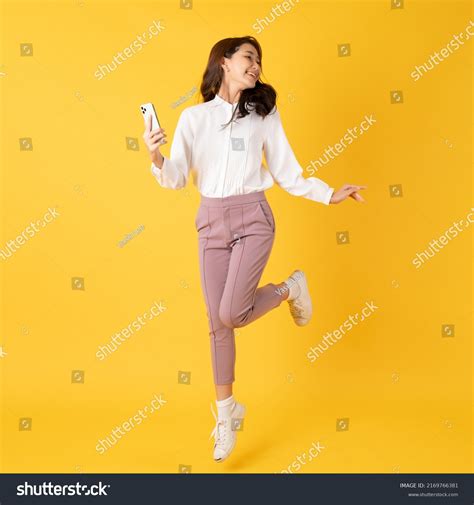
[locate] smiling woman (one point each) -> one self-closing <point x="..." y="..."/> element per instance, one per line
<point x="242" y="59"/>
<point x="221" y="142"/>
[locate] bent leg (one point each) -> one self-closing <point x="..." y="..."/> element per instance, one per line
<point x="242" y="302"/>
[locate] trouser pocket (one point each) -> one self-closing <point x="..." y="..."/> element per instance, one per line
<point x="202" y="218"/>
<point x="267" y="213"/>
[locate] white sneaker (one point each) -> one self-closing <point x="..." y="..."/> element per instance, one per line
<point x="300" y="307"/>
<point x="224" y="432"/>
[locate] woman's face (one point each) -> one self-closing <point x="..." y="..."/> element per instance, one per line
<point x="244" y="67"/>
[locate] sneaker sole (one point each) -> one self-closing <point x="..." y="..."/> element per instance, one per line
<point x="241" y="415"/>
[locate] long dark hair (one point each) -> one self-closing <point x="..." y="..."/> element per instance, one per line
<point x="261" y="98"/>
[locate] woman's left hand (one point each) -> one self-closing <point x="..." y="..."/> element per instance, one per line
<point x="345" y="191"/>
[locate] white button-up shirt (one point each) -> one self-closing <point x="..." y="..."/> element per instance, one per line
<point x="228" y="161"/>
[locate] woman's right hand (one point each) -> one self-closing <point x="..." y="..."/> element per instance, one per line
<point x="153" y="139"/>
<point x="346" y="191"/>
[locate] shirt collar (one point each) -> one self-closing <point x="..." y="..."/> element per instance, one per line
<point x="217" y="100"/>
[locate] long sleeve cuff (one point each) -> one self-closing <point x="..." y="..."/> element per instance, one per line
<point x="328" y="196"/>
<point x="168" y="176"/>
<point x="175" y="170"/>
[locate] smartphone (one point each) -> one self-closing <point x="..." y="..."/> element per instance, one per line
<point x="147" y="109"/>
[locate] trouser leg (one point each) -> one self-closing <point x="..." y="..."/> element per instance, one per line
<point x="242" y="301"/>
<point x="214" y="265"/>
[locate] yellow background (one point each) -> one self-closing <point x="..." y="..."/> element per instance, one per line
<point x="406" y="390"/>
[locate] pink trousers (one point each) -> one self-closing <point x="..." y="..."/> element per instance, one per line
<point x="235" y="237"/>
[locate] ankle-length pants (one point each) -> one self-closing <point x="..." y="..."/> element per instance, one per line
<point x="235" y="237"/>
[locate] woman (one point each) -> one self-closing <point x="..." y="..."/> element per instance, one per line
<point x="220" y="143"/>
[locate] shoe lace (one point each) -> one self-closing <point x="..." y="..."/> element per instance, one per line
<point x="219" y="431"/>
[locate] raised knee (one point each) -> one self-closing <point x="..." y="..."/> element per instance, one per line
<point x="229" y="319"/>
